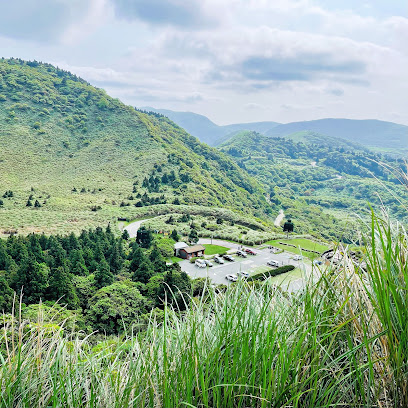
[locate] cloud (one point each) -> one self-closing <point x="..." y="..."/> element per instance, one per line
<point x="336" y="92"/>
<point x="46" y="20"/>
<point x="261" y="58"/>
<point x="32" y="20"/>
<point x="298" y="68"/>
<point x="178" y="13"/>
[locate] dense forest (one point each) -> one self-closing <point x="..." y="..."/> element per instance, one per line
<point x="105" y="282"/>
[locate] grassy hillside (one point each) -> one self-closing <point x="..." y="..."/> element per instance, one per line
<point x="324" y="184"/>
<point x="206" y="130"/>
<point x="86" y="158"/>
<point x="376" y="134"/>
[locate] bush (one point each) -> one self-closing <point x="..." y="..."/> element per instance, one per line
<point x="272" y="272"/>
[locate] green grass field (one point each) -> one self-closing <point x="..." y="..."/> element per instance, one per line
<point x="303" y="243"/>
<point x="214" y="249"/>
<point x="175" y="259"/>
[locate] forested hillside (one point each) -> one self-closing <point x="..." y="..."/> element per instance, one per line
<point x="321" y="182"/>
<point x="106" y="283"/>
<point x="71" y="157"/>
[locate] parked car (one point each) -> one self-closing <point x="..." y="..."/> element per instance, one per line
<point x="250" y="251"/>
<point x="273" y="263"/>
<point x="228" y="257"/>
<point x="298" y="257"/>
<point x="243" y="274"/>
<point x="218" y="259"/>
<point x="317" y="262"/>
<point x="200" y="263"/>
<point x="232" y="278"/>
<point x="241" y="253"/>
<point x="208" y="263"/>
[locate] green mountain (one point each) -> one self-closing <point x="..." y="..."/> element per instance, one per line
<point x="323" y="183"/>
<point x="72" y="157"/>
<point x="206" y="130"/>
<point x="375" y="134"/>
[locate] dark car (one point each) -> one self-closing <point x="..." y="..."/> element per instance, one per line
<point x="228" y="258"/>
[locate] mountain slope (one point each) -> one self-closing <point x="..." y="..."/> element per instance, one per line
<point x="319" y="181"/>
<point x="87" y="158"/>
<point x="206" y="130"/>
<point x="370" y="133"/>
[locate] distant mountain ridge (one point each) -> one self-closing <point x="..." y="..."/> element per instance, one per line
<point x="374" y="134"/>
<point x="206" y="130"/>
<point x="370" y="133"/>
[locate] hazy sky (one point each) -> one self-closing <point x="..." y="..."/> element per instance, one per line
<point x="231" y="60"/>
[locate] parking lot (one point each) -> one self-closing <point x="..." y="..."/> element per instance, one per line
<point x="218" y="272"/>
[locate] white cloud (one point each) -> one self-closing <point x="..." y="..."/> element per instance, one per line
<point x="233" y="59"/>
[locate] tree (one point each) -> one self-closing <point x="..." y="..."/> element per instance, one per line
<point x="288" y="227"/>
<point x="144" y="237"/>
<point x="85" y="289"/>
<point x="37" y="204"/>
<point x="29" y="203"/>
<point x="157" y="260"/>
<point x="174" y="235"/>
<point x="175" y="289"/>
<point x="115" y="307"/>
<point x="62" y="289"/>
<point x="125" y="235"/>
<point x="143" y="273"/>
<point x="193" y="236"/>
<point x="32" y="279"/>
<point x="103" y="275"/>
<point x="6" y="295"/>
<point x="78" y="266"/>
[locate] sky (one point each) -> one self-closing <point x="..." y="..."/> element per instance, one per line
<point x="231" y="60"/>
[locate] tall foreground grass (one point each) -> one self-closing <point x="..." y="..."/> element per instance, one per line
<point x="340" y="342"/>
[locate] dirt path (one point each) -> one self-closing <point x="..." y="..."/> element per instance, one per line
<point x="279" y="218"/>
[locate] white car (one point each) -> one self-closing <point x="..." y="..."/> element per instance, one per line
<point x="208" y="263"/>
<point x="232" y="278"/>
<point x="243" y="274"/>
<point x="200" y="263"/>
<point x="298" y="257"/>
<point x="273" y="263"/>
<point x="218" y="259"/>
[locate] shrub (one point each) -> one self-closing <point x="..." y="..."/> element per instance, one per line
<point x="272" y="272"/>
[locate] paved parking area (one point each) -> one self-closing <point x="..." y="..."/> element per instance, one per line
<point x="218" y="272"/>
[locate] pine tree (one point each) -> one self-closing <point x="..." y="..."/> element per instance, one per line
<point x="103" y="275"/>
<point x="143" y="273"/>
<point x="125" y="235"/>
<point x="157" y="260"/>
<point x="61" y="288"/>
<point x="31" y="278"/>
<point x="193" y="236"/>
<point x="174" y="235"/>
<point x="6" y="295"/>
